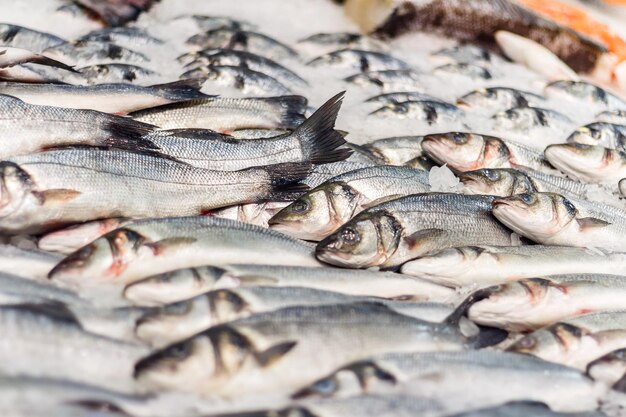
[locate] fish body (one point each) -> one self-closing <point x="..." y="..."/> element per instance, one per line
<point x="524" y="119"/>
<point x="585" y="94"/>
<point x="127" y="36"/>
<point x="10" y="57"/>
<point x="94" y="52"/>
<point x="432" y="112"/>
<point x="32" y="40"/>
<point x="117" y="73"/>
<point x="464" y="53"/>
<point x="607" y="135"/>
<point x="396" y="150"/>
<point x="499" y="99"/>
<point x="234" y="38"/>
<point x="471" y="71"/>
<point x="32" y="263"/>
<point x="359" y="60"/>
<point x="588" y="163"/>
<point x="388" y="80"/>
<point x="339" y="40"/>
<point x="392" y="233"/>
<point x="72" y="238"/>
<point x="400" y="96"/>
<point x="241" y="78"/>
<point x="612" y="116"/>
<point x="208" y="23"/>
<point x="522" y="409"/>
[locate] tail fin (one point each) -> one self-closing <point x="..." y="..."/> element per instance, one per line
<point x="125" y="133"/>
<point x="318" y="137"/>
<point x="188" y="89"/>
<point x="292" y="110"/>
<point x="285" y="180"/>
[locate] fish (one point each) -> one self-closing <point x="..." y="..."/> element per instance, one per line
<point x="36" y="73"/>
<point x="66" y="186"/>
<point x="314" y="141"/>
<point x="245" y="59"/>
<point x="31" y="263"/>
<point x="221" y="360"/>
<point x="584" y="93"/>
<point x="399" y="97"/>
<point x="339" y="40"/>
<point x="612" y="116"/>
<point x="482" y="266"/>
<point x="126" y="36"/>
<point x="324" y="209"/>
<point x="72" y="238"/>
<point x="465" y="53"/>
<point x="182" y="320"/>
<point x="227" y="114"/>
<point x="241" y="78"/>
<point x="117" y="99"/>
<point x="179" y="285"/>
<point x="609" y="369"/>
<point x="397" y="150"/>
<point x="115" y="13"/>
<point x="359" y="60"/>
<point x="607" y="135"/>
<point x="552" y="219"/>
<point x="462" y="151"/>
<point x="258" y="133"/>
<point x="588" y="163"/>
<point x="504" y="376"/>
<point x="499" y="99"/>
<point x="145" y="248"/>
<point x="235" y="38"/>
<point x="524" y="119"/>
<point x="10" y="57"/>
<point x="524" y="408"/>
<point x="432" y="112"/>
<point x="117" y="73"/>
<point x="577" y="341"/>
<point x="31" y="128"/>
<point x="532" y="303"/>
<point x="622" y="187"/>
<point x="388" y="80"/>
<point x="20" y="37"/>
<point x="471" y="71"/>
<point x="34" y="331"/>
<point x="389" y="234"/>
<point x="94" y="52"/>
<point x="207" y="23"/>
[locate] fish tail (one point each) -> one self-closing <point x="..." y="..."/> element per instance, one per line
<point x="129" y="134"/>
<point x="188" y="89"/>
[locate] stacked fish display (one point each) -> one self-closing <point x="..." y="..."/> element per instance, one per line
<point x="199" y="217"/>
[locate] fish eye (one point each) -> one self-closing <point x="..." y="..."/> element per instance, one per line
<point x="490" y="93"/>
<point x="179" y="351"/>
<point x="459" y="138"/>
<point x="512" y="114"/>
<point x="527" y="198"/>
<point x="300" y="206"/>
<point x="581" y="145"/>
<point x="400" y="108"/>
<point x="325" y="387"/>
<point x="350" y="235"/>
<point x="491" y="174"/>
<point x="569" y="206"/>
<point x="527" y="343"/>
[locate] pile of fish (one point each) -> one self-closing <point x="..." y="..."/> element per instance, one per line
<point x="209" y="243"/>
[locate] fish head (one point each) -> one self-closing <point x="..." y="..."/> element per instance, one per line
<point x="498" y="182"/>
<point x="317" y="213"/>
<point x="444" y="266"/>
<point x="367" y="240"/>
<point x="466" y="151"/>
<point x="327" y="59"/>
<point x="590" y="135"/>
<point x="549" y="343"/>
<point x="174" y="286"/>
<point x="585" y="162"/>
<point x="482" y="97"/>
<point x="16" y="190"/>
<point x="105" y="259"/>
<point x="609" y="369"/>
<point x="537" y="216"/>
<point x="166" y="322"/>
<point x="516" y="119"/>
<point x="365" y="80"/>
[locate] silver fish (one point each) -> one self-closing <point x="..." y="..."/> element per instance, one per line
<point x="187" y="283"/>
<point x="604" y="134"/>
<point x="35" y="73"/>
<point x="524" y="119"/>
<point x="248" y="81"/>
<point x="338" y="40"/>
<point x="582" y="92"/>
<point x="588" y="163"/>
<point x="149" y="247"/>
<point x="221" y="360"/>
<point x="126" y="36"/>
<point x="359" y="60"/>
<point x="220" y="22"/>
<point x="396" y="150"/>
<point x="226" y="114"/>
<point x="21" y="37"/>
<point x="28" y="128"/>
<point x="108" y="98"/>
<point x="31" y="263"/>
<point x="66" y="186"/>
<point x="400" y="96"/>
<point x="463" y="69"/>
<point x="432" y="112"/>
<point x="466" y="53"/>
<point x="10" y="57"/>
<point x="258" y="133"/>
<point x="532" y="303"/>
<point x="612" y="116"/>
<point x="235" y="38"/>
<point x="502" y="376"/>
<point x="324" y="209"/>
<point x="392" y="233"/>
<point x="252" y="213"/>
<point x="479" y="266"/>
<point x="72" y="238"/>
<point x="117" y="73"/>
<point x="610" y="369"/>
<point x="94" y="52"/>
<point x="577" y="341"/>
<point x="388" y="80"/>
<point x="524" y="409"/>
<point x="498" y="99"/>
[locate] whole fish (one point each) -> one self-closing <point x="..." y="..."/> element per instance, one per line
<point x="117" y="73"/>
<point x="220" y="22"/>
<point x="388" y="80"/>
<point x="359" y="60"/>
<point x="577" y="341"/>
<point x="396" y="150"/>
<point x="432" y="112"/>
<point x="257" y="355"/>
<point x="588" y="163"/>
<point x="313" y="141"/>
<point x="400" y="96"/>
<point x="532" y="303"/>
<point x="524" y="119"/>
<point x="94" y="52"/>
<point x="241" y="78"/>
<point x="324" y="209"/>
<point x="552" y="219"/>
<point x="108" y="98"/>
<point x="28" y="128"/>
<point x="32" y="40"/>
<point x="339" y="40"/>
<point x="603" y="134"/>
<point x="235" y="38"/>
<point x="584" y="93"/>
<point x="502" y="376"/>
<point x="464" y="53"/>
<point x="31" y="263"/>
<point x="144" y="248"/>
<point x="127" y="36"/>
<point x="612" y="116"/>
<point x="66" y="186"/>
<point x="227" y="114"/>
<point x="480" y="266"/>
<point x="183" y="284"/>
<point x="10" y="57"/>
<point x="34" y="331"/>
<point x="249" y="60"/>
<point x="470" y="151"/>
<point x="72" y="238"/>
<point x="392" y="233"/>
<point x="179" y="321"/>
<point x="498" y="99"/>
<point x="471" y="71"/>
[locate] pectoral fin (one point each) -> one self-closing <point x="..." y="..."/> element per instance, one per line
<point x="591" y="222"/>
<point x="170" y="243"/>
<point x="274" y="353"/>
<point x="58" y="196"/>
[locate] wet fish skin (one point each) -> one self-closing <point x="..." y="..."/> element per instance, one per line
<point x="612" y="116"/>
<point x="522" y="409"/>
<point x="324" y="209"/>
<point x="271" y="343"/>
<point x="21" y="37"/>
<point x="94" y="52"/>
<point x="10" y="57"/>
<point x="526" y="379"/>
<point x="183" y="284"/>
<point x="234" y="38"/>
<point x="399" y="97"/>
<point x="583" y="93"/>
<point x="432" y="112"/>
<point x="532" y="303"/>
<point x="388" y="80"/>
<point x="252" y="213"/>
<point x="149" y="247"/>
<point x="609" y="369"/>
<point x="359" y="60"/>
<point x="208" y="23"/>
<point x="116" y="73"/>
<point x="481" y="266"/>
<point x="127" y="36"/>
<point x="32" y="263"/>
<point x="603" y="134"/>
<point x="465" y="53"/>
<point x="498" y="99"/>
<point x="499" y="182"/>
<point x="523" y="119"/>
<point x="338" y="40"/>
<point x="392" y="233"/>
<point x="248" y="81"/>
<point x="472" y="71"/>
<point x="397" y="150"/>
<point x="226" y="114"/>
<point x="588" y="163"/>
<point x="72" y="238"/>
